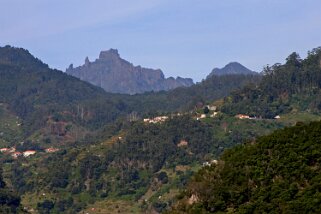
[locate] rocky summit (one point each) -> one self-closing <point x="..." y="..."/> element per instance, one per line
<point x="231" y="68"/>
<point x="116" y="75"/>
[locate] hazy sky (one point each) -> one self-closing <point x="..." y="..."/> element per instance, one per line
<point x="182" y="37"/>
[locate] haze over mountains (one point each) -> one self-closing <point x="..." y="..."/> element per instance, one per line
<point x="231" y="68"/>
<point x="117" y="75"/>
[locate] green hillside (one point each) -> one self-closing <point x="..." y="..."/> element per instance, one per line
<point x="278" y="173"/>
<point x="50" y="103"/>
<point x="185" y="99"/>
<point x="142" y="162"/>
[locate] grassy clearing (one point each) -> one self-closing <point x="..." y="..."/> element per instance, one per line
<point x="112" y="207"/>
<point x="292" y="118"/>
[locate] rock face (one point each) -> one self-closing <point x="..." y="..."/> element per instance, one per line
<point x="117" y="75"/>
<point x="231" y="68"/>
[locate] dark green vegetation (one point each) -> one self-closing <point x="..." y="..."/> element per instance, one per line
<point x="294" y="86"/>
<point x="50" y="103"/>
<point x="9" y="201"/>
<point x="185" y="99"/>
<point x="124" y="168"/>
<point x="279" y="173"/>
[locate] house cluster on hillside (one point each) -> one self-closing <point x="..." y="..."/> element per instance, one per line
<point x="244" y="116"/>
<point x="158" y="119"/>
<point x="15" y="154"/>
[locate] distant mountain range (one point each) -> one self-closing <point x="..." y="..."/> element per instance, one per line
<point x="231" y="68"/>
<point x="117" y="75"/>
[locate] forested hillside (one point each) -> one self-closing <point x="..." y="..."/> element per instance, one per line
<point x="278" y="173"/>
<point x="185" y="99"/>
<point x="142" y="162"/>
<point x="124" y="167"/>
<point x="293" y="86"/>
<point x="44" y="97"/>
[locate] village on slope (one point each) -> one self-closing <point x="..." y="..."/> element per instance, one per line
<point x="15" y="154"/>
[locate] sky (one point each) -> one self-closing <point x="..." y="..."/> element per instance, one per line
<point x="186" y="38"/>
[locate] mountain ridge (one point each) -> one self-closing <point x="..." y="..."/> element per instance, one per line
<point x="231" y="68"/>
<point x="116" y="75"/>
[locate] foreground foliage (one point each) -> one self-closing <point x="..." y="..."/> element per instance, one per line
<point x="9" y="201"/>
<point x="279" y="173"/>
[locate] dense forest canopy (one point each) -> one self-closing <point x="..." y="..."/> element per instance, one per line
<point x="124" y="168"/>
<point x="278" y="173"/>
<point x="9" y="201"/>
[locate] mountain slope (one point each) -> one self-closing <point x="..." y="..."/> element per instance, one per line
<point x="231" y="68"/>
<point x="125" y="167"/>
<point x="184" y="99"/>
<point x="116" y="75"/>
<point x="278" y="173"/>
<point x="51" y="101"/>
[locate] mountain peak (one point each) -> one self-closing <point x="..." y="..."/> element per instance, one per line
<point x="231" y="68"/>
<point x="111" y="53"/>
<point x="87" y="62"/>
<point x="117" y="75"/>
<point x="234" y="64"/>
<point x="19" y="57"/>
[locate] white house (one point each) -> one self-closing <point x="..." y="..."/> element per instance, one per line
<point x="16" y="154"/>
<point x="28" y="153"/>
<point x="4" y="150"/>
